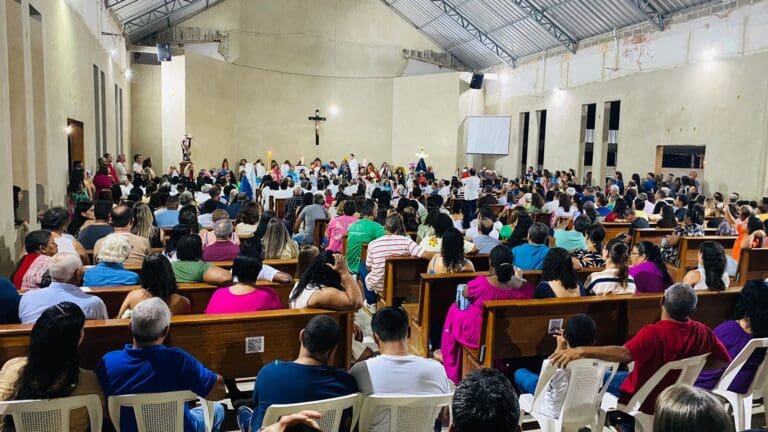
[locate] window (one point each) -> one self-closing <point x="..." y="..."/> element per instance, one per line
<point x="97" y="110"/>
<point x="525" y="118"/>
<point x="103" y="114"/>
<point x="681" y="156"/>
<point x="588" y="115"/>
<point x="118" y="120"/>
<point x="542" y="117"/>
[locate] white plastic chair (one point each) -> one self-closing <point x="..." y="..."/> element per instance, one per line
<point x="689" y="368"/>
<point x="158" y="411"/>
<point x="742" y="403"/>
<point x="331" y="409"/>
<point x="51" y="415"/>
<point x="581" y="406"/>
<point x="407" y="413"/>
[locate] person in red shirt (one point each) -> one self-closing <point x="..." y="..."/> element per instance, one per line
<point x="674" y="337"/>
<point x="111" y="168"/>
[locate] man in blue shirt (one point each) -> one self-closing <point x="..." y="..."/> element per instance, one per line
<point x="147" y="366"/>
<point x="530" y="256"/>
<point x="308" y="378"/>
<point x="110" y="271"/>
<point x="168" y="216"/>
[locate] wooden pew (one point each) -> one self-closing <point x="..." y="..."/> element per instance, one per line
<point x="436" y="293"/>
<point x="319" y="233"/>
<point x="279" y="206"/>
<point x="402" y="276"/>
<point x="515" y="329"/>
<point x="283" y="265"/>
<point x="614" y="229"/>
<point x="496" y="209"/>
<point x="541" y="218"/>
<point x="753" y="264"/>
<point x="688" y="250"/>
<point x="91" y="257"/>
<point x="654" y="235"/>
<point x="199" y="294"/>
<point x="218" y="341"/>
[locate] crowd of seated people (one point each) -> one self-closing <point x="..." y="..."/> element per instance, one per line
<point x="550" y="223"/>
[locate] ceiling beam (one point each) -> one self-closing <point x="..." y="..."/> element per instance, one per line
<point x="650" y="11"/>
<point x="475" y="31"/>
<point x="547" y="24"/>
<point x="149" y="17"/>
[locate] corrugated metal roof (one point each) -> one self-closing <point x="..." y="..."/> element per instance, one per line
<point x="506" y="24"/>
<point x="513" y="30"/>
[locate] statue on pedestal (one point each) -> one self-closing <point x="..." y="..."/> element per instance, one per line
<point x="186" y="148"/>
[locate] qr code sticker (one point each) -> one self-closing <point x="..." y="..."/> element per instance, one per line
<point x="254" y="344"/>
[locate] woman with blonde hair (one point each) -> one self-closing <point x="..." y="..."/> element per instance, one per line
<point x="278" y="243"/>
<point x="143" y="224"/>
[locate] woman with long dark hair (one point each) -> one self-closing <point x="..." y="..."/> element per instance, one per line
<point x="619" y="207"/>
<point x="157" y="280"/>
<point x="451" y="258"/>
<point x="82" y="215"/>
<point x="327" y="284"/>
<point x="592" y="257"/>
<point x="668" y="219"/>
<point x="711" y="272"/>
<point x="649" y="269"/>
<point x="750" y="321"/>
<point x="463" y="324"/>
<point x="693" y="225"/>
<point x="190" y="267"/>
<point x="558" y="277"/>
<point x="52" y="368"/>
<point x="77" y="189"/>
<point x="615" y="279"/>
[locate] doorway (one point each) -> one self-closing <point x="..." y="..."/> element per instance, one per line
<point x="75" y="142"/>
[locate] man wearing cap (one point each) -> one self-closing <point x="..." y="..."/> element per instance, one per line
<point x="110" y="271"/>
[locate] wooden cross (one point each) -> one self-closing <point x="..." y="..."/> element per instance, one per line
<point x="317" y="119"/>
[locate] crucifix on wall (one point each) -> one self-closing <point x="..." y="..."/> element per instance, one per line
<point x="317" y="119"/>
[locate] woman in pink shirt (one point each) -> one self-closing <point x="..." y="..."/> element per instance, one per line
<point x="244" y="295"/>
<point x="339" y="226"/>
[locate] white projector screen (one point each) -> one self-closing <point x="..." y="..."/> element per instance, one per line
<point x="488" y="135"/>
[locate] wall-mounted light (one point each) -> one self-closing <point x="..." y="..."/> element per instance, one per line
<point x="333" y="109"/>
<point x="68" y="130"/>
<point x="129" y="74"/>
<point x="709" y="54"/>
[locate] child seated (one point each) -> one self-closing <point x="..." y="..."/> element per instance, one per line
<point x="580" y="330"/>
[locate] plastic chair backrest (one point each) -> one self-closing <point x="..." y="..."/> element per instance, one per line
<point x="406" y="413"/>
<point x="51" y="415"/>
<point x="331" y="409"/>
<point x="689" y="368"/>
<point x="587" y="384"/>
<point x="738" y="363"/>
<point x="157" y="411"/>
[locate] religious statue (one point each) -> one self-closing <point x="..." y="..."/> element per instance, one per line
<point x="186" y="148"/>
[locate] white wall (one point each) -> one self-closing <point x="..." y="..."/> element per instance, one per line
<point x="71" y="44"/>
<point x="670" y="95"/>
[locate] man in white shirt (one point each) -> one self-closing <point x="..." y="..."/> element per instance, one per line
<point x="353" y="165"/>
<point x="122" y="171"/>
<point x="471" y="191"/>
<point x="138" y="168"/>
<point x="396" y="371"/>
<point x="445" y="190"/>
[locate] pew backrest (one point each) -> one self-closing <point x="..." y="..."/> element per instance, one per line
<point x="233" y="345"/>
<point x="753" y="264"/>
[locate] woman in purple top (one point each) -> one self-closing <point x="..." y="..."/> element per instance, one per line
<point x="463" y="327"/>
<point x="648" y="268"/>
<point x="244" y="295"/>
<point x="751" y="322"/>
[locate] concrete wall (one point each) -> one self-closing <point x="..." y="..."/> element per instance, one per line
<point x="700" y="82"/>
<point x="286" y="58"/>
<point x="146" y="112"/>
<point x="426" y="115"/>
<point x="45" y="78"/>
